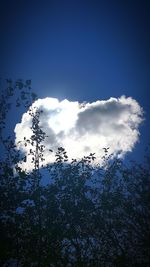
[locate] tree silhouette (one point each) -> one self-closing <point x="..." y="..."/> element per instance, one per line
<point x="87" y="215"/>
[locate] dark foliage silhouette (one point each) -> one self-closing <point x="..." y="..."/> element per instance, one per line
<point x="85" y="216"/>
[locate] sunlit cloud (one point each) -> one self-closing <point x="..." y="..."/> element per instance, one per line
<point x="83" y="128"/>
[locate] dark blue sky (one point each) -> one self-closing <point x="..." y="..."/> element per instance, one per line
<point x="79" y="50"/>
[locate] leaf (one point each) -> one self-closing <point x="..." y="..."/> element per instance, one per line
<point x="28" y="82"/>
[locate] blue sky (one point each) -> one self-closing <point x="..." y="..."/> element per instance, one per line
<point x="79" y="50"/>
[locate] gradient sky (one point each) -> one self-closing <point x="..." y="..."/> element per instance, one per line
<point x="79" y="50"/>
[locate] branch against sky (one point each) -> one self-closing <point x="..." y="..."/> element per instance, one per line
<point x="83" y="215"/>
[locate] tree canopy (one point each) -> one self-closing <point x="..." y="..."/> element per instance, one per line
<point x="85" y="215"/>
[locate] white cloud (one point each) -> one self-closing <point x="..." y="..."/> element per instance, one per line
<point x="82" y="128"/>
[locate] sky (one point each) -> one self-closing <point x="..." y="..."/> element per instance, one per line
<point x="80" y="51"/>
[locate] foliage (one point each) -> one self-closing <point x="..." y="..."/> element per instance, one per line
<point x="84" y="216"/>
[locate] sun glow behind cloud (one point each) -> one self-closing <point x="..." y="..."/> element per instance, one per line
<point x="84" y="128"/>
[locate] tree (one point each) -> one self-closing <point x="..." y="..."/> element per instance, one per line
<point x="86" y="215"/>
